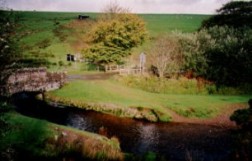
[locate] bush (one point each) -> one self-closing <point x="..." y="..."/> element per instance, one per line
<point x="180" y="85"/>
<point x="61" y="63"/>
<point x="227" y="54"/>
<point x="44" y="43"/>
<point x="225" y="90"/>
<point x="243" y="117"/>
<point x="220" y="54"/>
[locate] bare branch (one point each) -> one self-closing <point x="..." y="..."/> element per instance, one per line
<point x="113" y="10"/>
<point x="166" y="56"/>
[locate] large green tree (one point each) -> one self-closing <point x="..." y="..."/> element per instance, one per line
<point x="228" y="53"/>
<point x="192" y="47"/>
<point x="233" y="14"/>
<point x="229" y="57"/>
<point x="113" y="37"/>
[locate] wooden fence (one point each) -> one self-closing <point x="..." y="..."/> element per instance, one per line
<point x="123" y="70"/>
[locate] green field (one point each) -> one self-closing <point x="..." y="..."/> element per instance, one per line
<point x="155" y="23"/>
<point x="52" y="35"/>
<point x="165" y="23"/>
<point x="39" y="28"/>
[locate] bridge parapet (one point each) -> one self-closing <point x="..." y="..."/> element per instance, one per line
<point x="32" y="80"/>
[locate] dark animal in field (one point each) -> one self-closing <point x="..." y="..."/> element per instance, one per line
<point x="81" y="17"/>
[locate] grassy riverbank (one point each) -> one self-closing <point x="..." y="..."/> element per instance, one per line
<point x="109" y="94"/>
<point x="30" y="138"/>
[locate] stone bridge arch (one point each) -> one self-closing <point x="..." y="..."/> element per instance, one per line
<point x="32" y="80"/>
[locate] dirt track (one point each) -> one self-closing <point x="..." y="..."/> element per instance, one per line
<point x="222" y="120"/>
<point x="98" y="76"/>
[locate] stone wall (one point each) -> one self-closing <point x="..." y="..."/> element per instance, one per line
<point x="32" y="80"/>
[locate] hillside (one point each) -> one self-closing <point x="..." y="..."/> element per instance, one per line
<point x="52" y="35"/>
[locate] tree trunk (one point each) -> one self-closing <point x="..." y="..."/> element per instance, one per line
<point x="161" y="74"/>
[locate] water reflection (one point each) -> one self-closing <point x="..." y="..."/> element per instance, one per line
<point x="78" y="121"/>
<point x="177" y="142"/>
<point x="148" y="138"/>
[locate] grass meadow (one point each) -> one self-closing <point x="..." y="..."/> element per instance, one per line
<point x="164" y="23"/>
<point x="111" y="92"/>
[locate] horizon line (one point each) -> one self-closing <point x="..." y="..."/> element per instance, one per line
<point x="103" y="12"/>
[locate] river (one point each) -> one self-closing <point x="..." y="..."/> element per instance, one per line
<point x="173" y="141"/>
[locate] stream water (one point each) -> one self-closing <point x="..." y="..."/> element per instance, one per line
<point x="173" y="141"/>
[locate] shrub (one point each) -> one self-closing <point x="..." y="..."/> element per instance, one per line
<point x="44" y="43"/>
<point x="227" y="54"/>
<point x="220" y="54"/>
<point x="180" y="85"/>
<point x="61" y="63"/>
<point x="243" y="117"/>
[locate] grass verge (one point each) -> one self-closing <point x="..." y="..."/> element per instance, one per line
<point x="110" y="97"/>
<point x="41" y="139"/>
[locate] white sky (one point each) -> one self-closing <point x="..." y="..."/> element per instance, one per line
<point x="137" y="6"/>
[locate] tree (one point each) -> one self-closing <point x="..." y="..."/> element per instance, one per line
<point x="233" y="14"/>
<point x="112" y="10"/>
<point x="11" y="57"/>
<point x="165" y="56"/>
<point x="8" y="49"/>
<point x="229" y="57"/>
<point x="243" y="117"/>
<point x="8" y="43"/>
<point x="113" y="37"/>
<point x="192" y="47"/>
<point x="228" y="54"/>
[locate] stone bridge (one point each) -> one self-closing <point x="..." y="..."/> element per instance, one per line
<point x="31" y="80"/>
